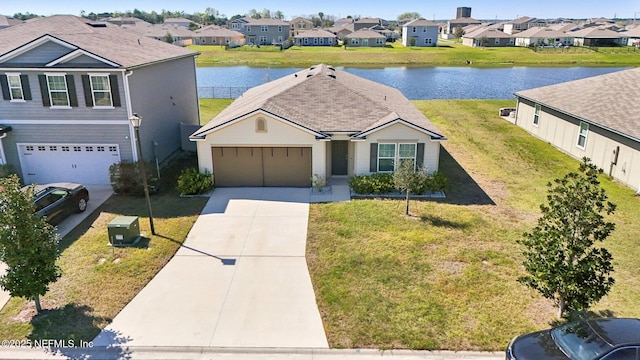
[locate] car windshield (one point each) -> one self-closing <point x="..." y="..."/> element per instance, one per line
<point x="579" y="341"/>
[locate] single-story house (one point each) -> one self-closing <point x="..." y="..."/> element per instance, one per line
<point x="341" y="30"/>
<point x="365" y="38"/>
<point x="69" y="87"/>
<point x="596" y="36"/>
<point x="218" y="36"/>
<point x="542" y="36"/>
<point x="596" y="117"/>
<point x="315" y="37"/>
<point x="316" y="121"/>
<point x="185" y="23"/>
<point x="633" y="35"/>
<point x="487" y="37"/>
<point x="6" y="21"/>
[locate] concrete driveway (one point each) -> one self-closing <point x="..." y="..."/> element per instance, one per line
<point x="98" y="194"/>
<point x="240" y="280"/>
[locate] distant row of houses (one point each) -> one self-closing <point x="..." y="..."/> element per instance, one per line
<point x="375" y="32"/>
<point x="527" y="31"/>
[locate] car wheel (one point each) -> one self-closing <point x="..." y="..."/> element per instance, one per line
<point x="82" y="205"/>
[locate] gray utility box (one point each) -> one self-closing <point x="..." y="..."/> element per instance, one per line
<point x="124" y="230"/>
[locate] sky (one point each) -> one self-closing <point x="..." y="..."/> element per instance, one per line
<point x="439" y="10"/>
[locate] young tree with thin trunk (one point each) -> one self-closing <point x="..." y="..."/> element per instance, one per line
<point x="407" y="178"/>
<point x="560" y="253"/>
<point x="28" y="244"/>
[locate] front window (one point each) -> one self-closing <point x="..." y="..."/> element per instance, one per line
<point x="582" y="135"/>
<point x="407" y="154"/>
<point x="15" y="86"/>
<point x="101" y="90"/>
<point x="354" y="41"/>
<point x="280" y="38"/>
<point x="386" y="157"/>
<point x="248" y="28"/>
<point x="536" y="115"/>
<point x="380" y="41"/>
<point x="413" y="29"/>
<point x="279" y="28"/>
<point x="264" y="28"/>
<point x="58" y="90"/>
<point x="263" y="39"/>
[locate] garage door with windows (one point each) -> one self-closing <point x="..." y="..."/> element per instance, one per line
<point x="262" y="166"/>
<point x="81" y="163"/>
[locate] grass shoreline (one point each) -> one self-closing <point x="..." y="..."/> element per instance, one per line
<point x="395" y="55"/>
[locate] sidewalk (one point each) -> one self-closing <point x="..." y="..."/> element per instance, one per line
<point x="198" y="353"/>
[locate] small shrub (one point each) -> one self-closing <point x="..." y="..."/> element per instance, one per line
<point x="378" y="183"/>
<point x="191" y="182"/>
<point x="318" y="182"/>
<point x="436" y="182"/>
<point x="125" y="178"/>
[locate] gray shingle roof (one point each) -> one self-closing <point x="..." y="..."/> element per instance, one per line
<point x="610" y="100"/>
<point x="111" y="42"/>
<point x="488" y="33"/>
<point x="596" y="32"/>
<point x="365" y="34"/>
<point x="325" y="100"/>
<point x="541" y="32"/>
<point x="420" y="22"/>
<point x="315" y="33"/>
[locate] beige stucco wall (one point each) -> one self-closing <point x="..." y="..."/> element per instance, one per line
<point x="279" y="133"/>
<point x="398" y="133"/>
<point x="599" y="148"/>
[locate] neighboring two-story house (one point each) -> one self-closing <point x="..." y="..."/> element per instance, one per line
<point x="265" y="31"/>
<point x="70" y="86"/>
<point x="300" y="25"/>
<point x="420" y="32"/>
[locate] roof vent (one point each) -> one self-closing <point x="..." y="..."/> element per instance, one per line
<point x="311" y="68"/>
<point x="331" y="74"/>
<point x="331" y="68"/>
<point x="98" y="25"/>
<point x="309" y="75"/>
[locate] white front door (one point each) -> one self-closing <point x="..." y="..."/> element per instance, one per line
<point x="79" y="163"/>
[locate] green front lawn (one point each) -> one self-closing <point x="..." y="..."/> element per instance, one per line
<point x="446" y="278"/>
<point x="98" y="280"/>
<point x="448" y="53"/>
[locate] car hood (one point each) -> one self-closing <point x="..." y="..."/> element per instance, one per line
<point x="536" y="346"/>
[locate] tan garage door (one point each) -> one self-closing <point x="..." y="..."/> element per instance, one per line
<point x="262" y="166"/>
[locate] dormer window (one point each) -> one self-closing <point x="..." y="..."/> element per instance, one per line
<point x="261" y="125"/>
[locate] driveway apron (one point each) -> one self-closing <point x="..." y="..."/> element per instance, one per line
<point x="239" y="280"/>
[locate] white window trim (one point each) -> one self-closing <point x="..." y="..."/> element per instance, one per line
<point x="396" y="156"/>
<point x="66" y="86"/>
<point x="536" y="115"/>
<point x="264" y="28"/>
<point x="21" y="88"/>
<point x="586" y="135"/>
<point x="93" y="96"/>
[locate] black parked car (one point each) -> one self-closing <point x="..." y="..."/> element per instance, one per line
<point x="56" y="201"/>
<point x="596" y="339"/>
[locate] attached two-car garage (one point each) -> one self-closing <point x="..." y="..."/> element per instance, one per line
<point x="262" y="166"/>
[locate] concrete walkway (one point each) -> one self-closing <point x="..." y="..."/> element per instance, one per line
<point x="239" y="281"/>
<point x="98" y="194"/>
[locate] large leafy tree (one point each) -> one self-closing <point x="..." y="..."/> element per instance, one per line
<point x="561" y="256"/>
<point x="28" y="244"/>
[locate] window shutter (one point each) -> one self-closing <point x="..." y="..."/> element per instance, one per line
<point x="71" y="88"/>
<point x="44" y="90"/>
<point x="26" y="89"/>
<point x="420" y="155"/>
<point x="4" y="83"/>
<point x="115" y="91"/>
<point x="86" y="85"/>
<point x="373" y="158"/>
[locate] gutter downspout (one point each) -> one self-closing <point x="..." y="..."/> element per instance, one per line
<point x="132" y="135"/>
<point x="3" y="161"/>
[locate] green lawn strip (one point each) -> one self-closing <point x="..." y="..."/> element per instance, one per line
<point x="446" y="279"/>
<point x="209" y="108"/>
<point x="398" y="55"/>
<point x="98" y="280"/>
